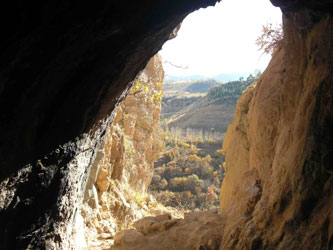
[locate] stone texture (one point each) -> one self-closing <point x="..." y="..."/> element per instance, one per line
<point x="277" y="193"/>
<point x="197" y="231"/>
<point x="116" y="193"/>
<point x="64" y="65"/>
<point x="63" y="68"/>
<point x="278" y="190"/>
<point x="134" y="136"/>
<point x="39" y="204"/>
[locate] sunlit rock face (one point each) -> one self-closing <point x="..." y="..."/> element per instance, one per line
<point x="278" y="190"/>
<point x="134" y="138"/>
<point x="198" y="230"/>
<point x="277" y="193"/>
<point x="115" y="194"/>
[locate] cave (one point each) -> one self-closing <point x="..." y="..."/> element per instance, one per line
<point x="213" y="58"/>
<point x="67" y="66"/>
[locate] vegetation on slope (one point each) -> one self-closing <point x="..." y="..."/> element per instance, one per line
<point x="214" y="111"/>
<point x="189" y="173"/>
<point x="172" y="105"/>
<point x="234" y="90"/>
<point x="190" y="86"/>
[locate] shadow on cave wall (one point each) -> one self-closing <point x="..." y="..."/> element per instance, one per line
<point x="63" y="67"/>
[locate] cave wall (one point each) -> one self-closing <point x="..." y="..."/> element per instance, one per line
<point x="116" y="192"/>
<point x="278" y="188"/>
<point x="135" y="138"/>
<point x="64" y="64"/>
<point x="63" y="68"/>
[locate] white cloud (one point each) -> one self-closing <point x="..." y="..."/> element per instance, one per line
<point x="221" y="39"/>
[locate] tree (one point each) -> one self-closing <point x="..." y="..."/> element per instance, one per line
<point x="270" y="38"/>
<point x="250" y="78"/>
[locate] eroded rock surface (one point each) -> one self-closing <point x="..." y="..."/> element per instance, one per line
<point x="278" y="190"/>
<point x="134" y="137"/>
<point x="116" y="193"/>
<point x="63" y="67"/>
<point x="197" y="231"/>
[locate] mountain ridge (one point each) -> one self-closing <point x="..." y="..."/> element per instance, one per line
<point x="223" y="77"/>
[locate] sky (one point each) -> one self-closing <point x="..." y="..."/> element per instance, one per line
<point x="221" y="39"/>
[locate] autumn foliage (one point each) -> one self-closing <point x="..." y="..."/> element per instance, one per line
<point x="270" y="38"/>
<point x="189" y="175"/>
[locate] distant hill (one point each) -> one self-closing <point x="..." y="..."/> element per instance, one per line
<point x="220" y="77"/>
<point x="201" y="86"/>
<point x="213" y="111"/>
<point x="188" y="86"/>
<point x="172" y="105"/>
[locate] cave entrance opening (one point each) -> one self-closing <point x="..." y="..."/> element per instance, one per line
<point x="210" y="62"/>
<point x="200" y="91"/>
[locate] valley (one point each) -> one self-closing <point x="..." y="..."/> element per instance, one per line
<point x="195" y="115"/>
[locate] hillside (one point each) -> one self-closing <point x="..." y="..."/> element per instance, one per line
<point x="177" y="95"/>
<point x="172" y="105"/>
<point x="189" y="171"/>
<point x="188" y="86"/>
<point x="212" y="112"/>
<point x="226" y="77"/>
<point x="188" y="174"/>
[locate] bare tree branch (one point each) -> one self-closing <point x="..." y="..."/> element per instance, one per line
<point x="176" y="66"/>
<point x="270" y="38"/>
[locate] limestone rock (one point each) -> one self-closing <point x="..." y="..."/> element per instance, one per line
<point x="277" y="192"/>
<point x="133" y="139"/>
<point x="65" y="67"/>
<point x="197" y="231"/>
<point x="125" y="167"/>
